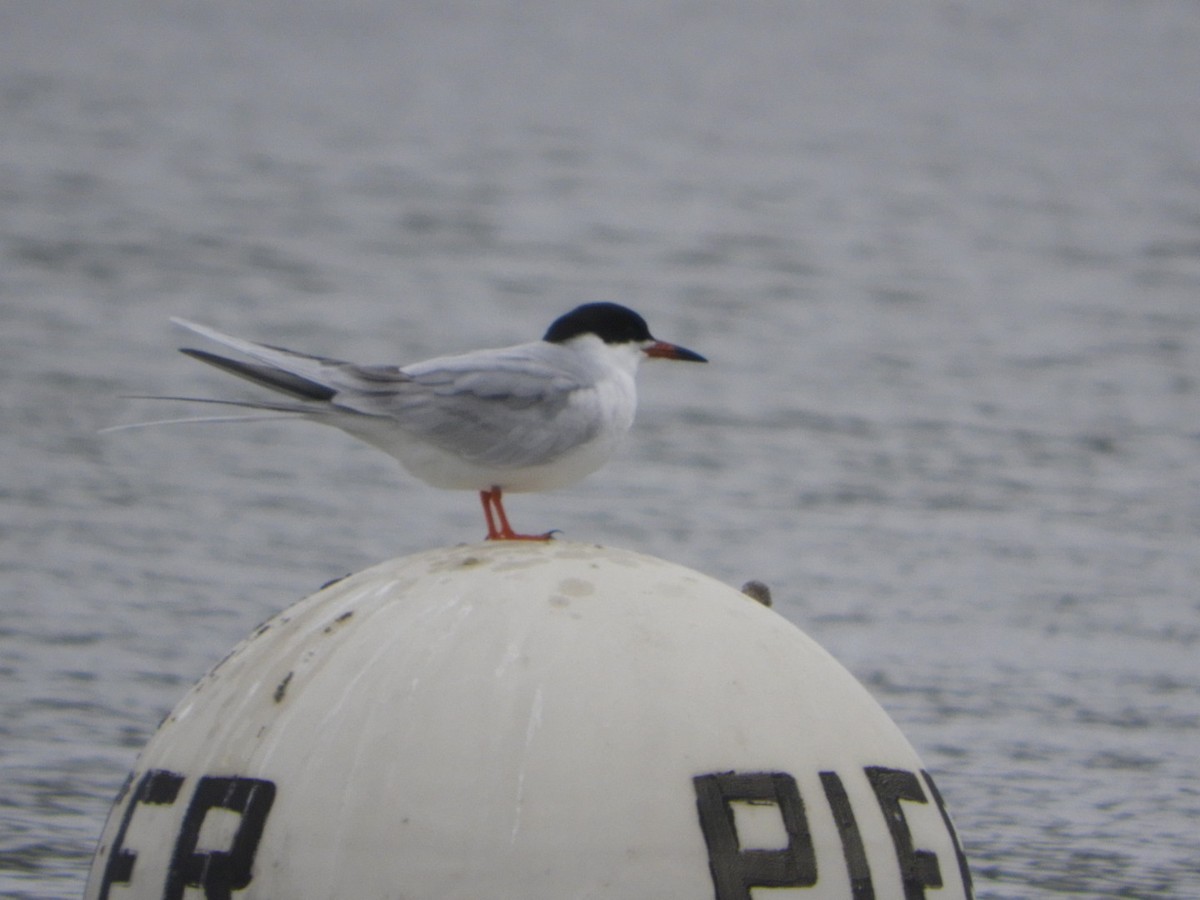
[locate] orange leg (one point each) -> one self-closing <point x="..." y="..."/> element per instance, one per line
<point x="493" y="512"/>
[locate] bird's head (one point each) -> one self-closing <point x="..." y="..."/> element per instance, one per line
<point x="615" y="325"/>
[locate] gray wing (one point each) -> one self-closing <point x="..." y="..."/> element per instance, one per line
<point x="299" y="375"/>
<point x="492" y="408"/>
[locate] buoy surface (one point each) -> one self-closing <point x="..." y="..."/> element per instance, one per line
<point x="527" y="720"/>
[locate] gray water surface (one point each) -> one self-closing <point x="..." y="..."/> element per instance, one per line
<point x="944" y="258"/>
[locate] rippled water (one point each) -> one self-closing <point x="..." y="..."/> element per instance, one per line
<point x="945" y="260"/>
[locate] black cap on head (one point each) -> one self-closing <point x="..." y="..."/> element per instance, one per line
<point x="611" y="322"/>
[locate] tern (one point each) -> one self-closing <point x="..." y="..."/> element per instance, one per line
<point x="532" y="417"/>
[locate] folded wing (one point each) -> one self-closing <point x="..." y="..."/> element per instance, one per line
<point x="488" y="407"/>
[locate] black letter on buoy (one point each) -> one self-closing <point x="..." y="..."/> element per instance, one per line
<point x="963" y="869"/>
<point x="220" y="872"/>
<point x="734" y="870"/>
<point x="158" y="787"/>
<point x="918" y="868"/>
<point x="861" y="887"/>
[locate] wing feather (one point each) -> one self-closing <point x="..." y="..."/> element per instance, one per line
<point x="469" y="405"/>
<point x="489" y="407"/>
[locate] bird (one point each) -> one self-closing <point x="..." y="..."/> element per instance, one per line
<point x="531" y="417"/>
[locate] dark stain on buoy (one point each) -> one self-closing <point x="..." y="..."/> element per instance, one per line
<point x="338" y="621"/>
<point x="281" y="689"/>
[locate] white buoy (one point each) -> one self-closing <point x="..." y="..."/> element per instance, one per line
<point x="532" y="721"/>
